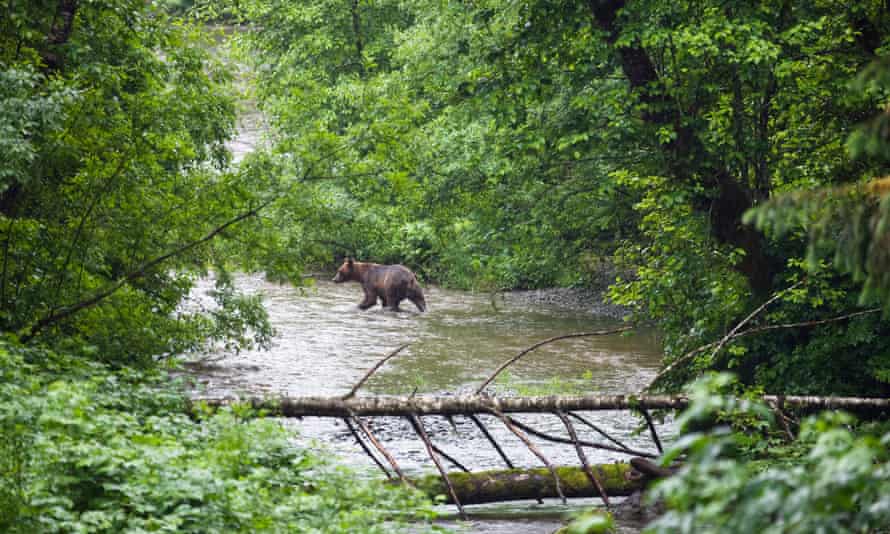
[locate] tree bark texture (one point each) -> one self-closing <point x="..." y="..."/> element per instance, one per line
<point x="619" y="479"/>
<point x="473" y="404"/>
<point x="60" y="32"/>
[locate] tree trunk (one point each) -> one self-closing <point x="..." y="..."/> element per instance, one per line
<point x="521" y="484"/>
<point x="60" y="32"/>
<point x="683" y="153"/>
<point x="357" y="30"/>
<point x="473" y="404"/>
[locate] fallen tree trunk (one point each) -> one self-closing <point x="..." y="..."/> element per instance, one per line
<point x="472" y="404"/>
<point x="522" y="484"/>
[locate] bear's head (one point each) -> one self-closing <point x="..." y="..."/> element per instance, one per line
<point x="346" y="272"/>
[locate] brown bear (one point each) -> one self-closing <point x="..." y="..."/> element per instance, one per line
<point x="391" y="283"/>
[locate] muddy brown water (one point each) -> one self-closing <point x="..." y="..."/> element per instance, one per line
<point x="324" y="345"/>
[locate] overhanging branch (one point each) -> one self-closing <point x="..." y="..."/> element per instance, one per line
<point x="67" y="311"/>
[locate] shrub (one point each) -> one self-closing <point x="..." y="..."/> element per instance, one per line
<point x="87" y="450"/>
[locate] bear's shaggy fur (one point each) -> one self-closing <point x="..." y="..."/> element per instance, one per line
<point x="390" y="283"/>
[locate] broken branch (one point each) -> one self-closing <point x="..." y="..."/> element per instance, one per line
<point x="491" y="440"/>
<point x="418" y="428"/>
<point x="366" y="449"/>
<point x="652" y="431"/>
<point x="373" y="370"/>
<point x="382" y="449"/>
<point x="601" y="432"/>
<point x="542" y="343"/>
<point x="583" y="457"/>
<point x="531" y="446"/>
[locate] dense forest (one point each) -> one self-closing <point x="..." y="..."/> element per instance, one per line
<point x="721" y="169"/>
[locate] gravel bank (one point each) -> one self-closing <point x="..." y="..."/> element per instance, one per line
<point x="590" y="301"/>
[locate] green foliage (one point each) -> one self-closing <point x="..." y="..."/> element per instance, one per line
<point x="86" y="450"/>
<point x="844" y="227"/>
<point x="437" y="148"/>
<point x="767" y="110"/>
<point x="556" y="385"/>
<point x="840" y="357"/>
<point x="683" y="279"/>
<point x="501" y="145"/>
<point x="849" y="226"/>
<point x="590" y="523"/>
<point x="840" y="481"/>
<point x="114" y="183"/>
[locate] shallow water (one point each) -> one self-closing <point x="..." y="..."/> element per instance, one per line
<point x="324" y="345"/>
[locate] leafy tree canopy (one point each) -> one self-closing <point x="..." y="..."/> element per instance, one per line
<point x="506" y="145"/>
<point x="113" y="184"/>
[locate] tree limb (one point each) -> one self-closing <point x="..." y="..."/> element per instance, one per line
<point x="757" y="311"/>
<point x="370" y="372"/>
<point x="757" y="330"/>
<point x="365" y="448"/>
<point x="379" y="446"/>
<point x="542" y="343"/>
<point x="652" y="431"/>
<point x="418" y="428"/>
<point x="531" y="446"/>
<point x="583" y="457"/>
<point x="110" y="289"/>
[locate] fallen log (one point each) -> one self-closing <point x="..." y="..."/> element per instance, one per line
<point x="521" y="484"/>
<point x="472" y="404"/>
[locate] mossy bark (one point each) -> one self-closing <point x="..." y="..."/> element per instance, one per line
<point x="518" y="484"/>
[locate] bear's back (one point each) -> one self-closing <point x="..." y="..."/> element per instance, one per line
<point x="390" y="276"/>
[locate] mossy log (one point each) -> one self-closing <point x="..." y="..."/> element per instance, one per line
<point x="619" y="479"/>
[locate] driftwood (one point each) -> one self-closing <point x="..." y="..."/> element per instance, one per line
<point x="475" y="404"/>
<point x="519" y="484"/>
<point x="467" y="487"/>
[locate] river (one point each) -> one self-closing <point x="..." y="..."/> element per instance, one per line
<point x="324" y="345"/>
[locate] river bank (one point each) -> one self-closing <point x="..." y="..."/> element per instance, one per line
<point x="582" y="300"/>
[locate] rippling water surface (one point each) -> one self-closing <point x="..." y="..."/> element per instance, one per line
<point x="324" y="345"/>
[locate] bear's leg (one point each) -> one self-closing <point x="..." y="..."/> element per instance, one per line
<point x="415" y="295"/>
<point x="369" y="300"/>
<point x="393" y="299"/>
<point x="418" y="301"/>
